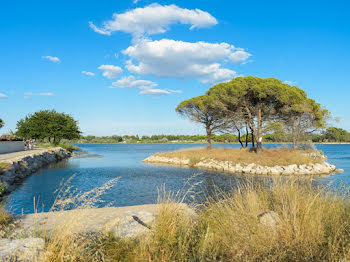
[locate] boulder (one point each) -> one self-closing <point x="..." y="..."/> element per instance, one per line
<point x="27" y="249"/>
<point x="131" y="225"/>
<point x="269" y="219"/>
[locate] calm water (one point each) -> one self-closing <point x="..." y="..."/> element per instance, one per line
<point x="138" y="181"/>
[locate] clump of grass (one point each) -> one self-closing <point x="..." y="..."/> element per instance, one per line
<point x="68" y="147"/>
<point x="4" y="166"/>
<point x="5" y="218"/>
<point x="314" y="225"/>
<point x="193" y="161"/>
<point x="267" y="157"/>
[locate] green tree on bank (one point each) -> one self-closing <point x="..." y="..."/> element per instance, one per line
<point x="252" y="102"/>
<point x="1" y="123"/>
<point x="48" y="125"/>
<point x="202" y="109"/>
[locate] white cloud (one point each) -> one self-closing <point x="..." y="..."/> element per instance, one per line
<point x="132" y="82"/>
<point x="135" y="1"/>
<point x="111" y="71"/>
<point x="53" y="59"/>
<point x="146" y="86"/>
<point x="155" y="92"/>
<point x="87" y="73"/>
<point x="239" y="56"/>
<point x="3" y="96"/>
<point x="28" y="95"/>
<point x="154" y="19"/>
<point x="292" y="83"/>
<point x="170" y="58"/>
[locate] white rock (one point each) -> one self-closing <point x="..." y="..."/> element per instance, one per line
<point x="269" y="219"/>
<point x="27" y="249"/>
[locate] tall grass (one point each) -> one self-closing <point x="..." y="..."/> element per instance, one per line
<point x="5" y="218"/>
<point x="313" y="225"/>
<point x="267" y="157"/>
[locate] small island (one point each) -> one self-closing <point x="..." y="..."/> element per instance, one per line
<point x="254" y="106"/>
<point x="281" y="161"/>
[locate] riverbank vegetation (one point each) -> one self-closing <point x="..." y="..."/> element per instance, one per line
<point x="66" y="146"/>
<point x="5" y="218"/>
<point x="268" y="157"/>
<point x="290" y="220"/>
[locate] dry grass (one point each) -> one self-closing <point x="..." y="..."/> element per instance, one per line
<point x="4" y="166"/>
<point x="267" y="157"/>
<point x="5" y="218"/>
<point x="313" y="226"/>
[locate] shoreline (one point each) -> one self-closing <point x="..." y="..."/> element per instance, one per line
<point x="323" y="168"/>
<point x="204" y="143"/>
<point x="20" y="165"/>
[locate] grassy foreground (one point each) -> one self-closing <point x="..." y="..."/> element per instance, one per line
<point x="267" y="157"/>
<point x="312" y="225"/>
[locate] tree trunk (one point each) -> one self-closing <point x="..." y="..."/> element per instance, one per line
<point x="239" y="137"/>
<point x="259" y="138"/>
<point x="253" y="143"/>
<point x="295" y="133"/>
<point x="294" y="142"/>
<point x="208" y="137"/>
<point x="252" y="124"/>
<point x="246" y="135"/>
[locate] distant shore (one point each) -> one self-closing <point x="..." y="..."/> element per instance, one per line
<point x="203" y="143"/>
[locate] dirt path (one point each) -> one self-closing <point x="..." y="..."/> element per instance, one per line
<point x="10" y="156"/>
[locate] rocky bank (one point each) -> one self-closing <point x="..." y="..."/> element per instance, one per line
<point x="322" y="168"/>
<point x="21" y="166"/>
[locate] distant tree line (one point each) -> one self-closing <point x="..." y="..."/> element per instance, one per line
<point x="274" y="134"/>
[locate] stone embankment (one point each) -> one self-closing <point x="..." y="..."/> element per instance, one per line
<point x="18" y="166"/>
<point x="322" y="168"/>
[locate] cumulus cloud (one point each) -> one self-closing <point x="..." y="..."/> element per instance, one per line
<point x="132" y="82"/>
<point x="154" y="19"/>
<point x="171" y="58"/>
<point x="239" y="56"/>
<point x="3" y="96"/>
<point x="146" y="86"/>
<point x="53" y="59"/>
<point x="87" y="73"/>
<point x="110" y="71"/>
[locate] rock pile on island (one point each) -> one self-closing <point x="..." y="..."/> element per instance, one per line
<point x="321" y="168"/>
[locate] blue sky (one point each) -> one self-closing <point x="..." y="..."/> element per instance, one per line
<point x="121" y="67"/>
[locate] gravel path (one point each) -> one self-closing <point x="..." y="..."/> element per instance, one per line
<point x="35" y="151"/>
